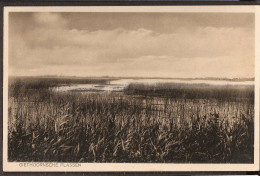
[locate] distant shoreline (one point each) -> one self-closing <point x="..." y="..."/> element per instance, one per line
<point x="111" y="77"/>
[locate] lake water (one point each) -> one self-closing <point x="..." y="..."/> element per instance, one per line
<point x="119" y="85"/>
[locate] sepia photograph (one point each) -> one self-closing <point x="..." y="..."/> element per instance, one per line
<point x="153" y="86"/>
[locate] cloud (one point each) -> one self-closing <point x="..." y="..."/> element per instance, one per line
<point x="46" y="20"/>
<point x="216" y="51"/>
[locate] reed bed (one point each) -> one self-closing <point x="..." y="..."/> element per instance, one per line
<point x="151" y="124"/>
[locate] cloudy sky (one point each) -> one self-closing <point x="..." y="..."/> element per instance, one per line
<point x="132" y="44"/>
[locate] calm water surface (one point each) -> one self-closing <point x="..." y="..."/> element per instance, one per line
<point x="119" y="85"/>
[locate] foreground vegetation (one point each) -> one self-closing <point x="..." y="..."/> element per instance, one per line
<point x="162" y="123"/>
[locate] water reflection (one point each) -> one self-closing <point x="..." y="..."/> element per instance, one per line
<point x="119" y="85"/>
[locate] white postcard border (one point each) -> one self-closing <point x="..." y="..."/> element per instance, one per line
<point x="102" y="167"/>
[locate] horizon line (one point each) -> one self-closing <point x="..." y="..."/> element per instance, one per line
<point x="129" y="77"/>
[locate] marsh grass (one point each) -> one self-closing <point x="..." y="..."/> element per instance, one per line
<point x="162" y="123"/>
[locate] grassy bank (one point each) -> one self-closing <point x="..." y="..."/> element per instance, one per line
<point x="194" y="91"/>
<point x="146" y="124"/>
